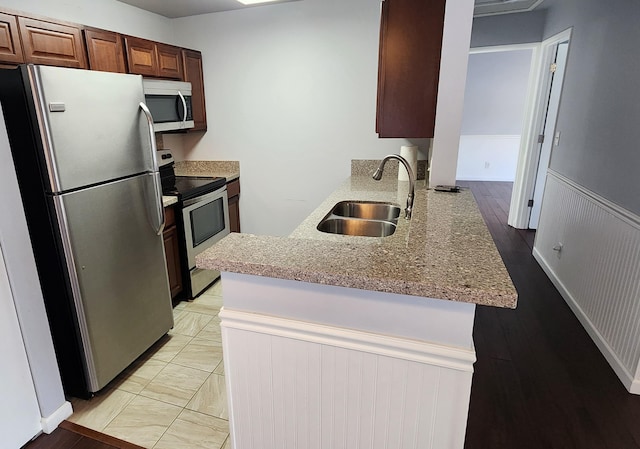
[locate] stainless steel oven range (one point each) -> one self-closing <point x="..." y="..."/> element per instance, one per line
<point x="203" y="219"/>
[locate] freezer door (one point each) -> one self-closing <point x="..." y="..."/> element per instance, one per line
<point x="91" y="126"/>
<point x="118" y="274"/>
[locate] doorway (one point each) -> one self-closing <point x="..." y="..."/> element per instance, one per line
<point x="549" y="137"/>
<point x="493" y="114"/>
<point x="540" y="119"/>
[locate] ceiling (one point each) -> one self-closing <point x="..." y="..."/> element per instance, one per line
<point x="183" y="8"/>
<point x="494" y="7"/>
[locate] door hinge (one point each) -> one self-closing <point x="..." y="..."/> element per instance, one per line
<point x="541" y="138"/>
<point x="553" y="67"/>
<point x="530" y="203"/>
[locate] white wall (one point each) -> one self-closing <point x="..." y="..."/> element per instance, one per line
<point x="106" y="14"/>
<point x="291" y="94"/>
<point x="456" y="38"/>
<point x="505" y="29"/>
<point x="492" y="121"/>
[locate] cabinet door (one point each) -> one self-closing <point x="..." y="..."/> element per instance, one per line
<point x="21" y="422"/>
<point x="192" y="61"/>
<point x="409" y="67"/>
<point x="52" y="43"/>
<point x="169" y="62"/>
<point x="10" y="46"/>
<point x="234" y="214"/>
<point x="172" y="252"/>
<point x="233" y="191"/>
<point x="141" y="56"/>
<point x="105" y="51"/>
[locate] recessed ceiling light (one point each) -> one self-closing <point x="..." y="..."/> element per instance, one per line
<point x="255" y="2"/>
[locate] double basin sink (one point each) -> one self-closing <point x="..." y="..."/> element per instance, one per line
<point x="361" y="218"/>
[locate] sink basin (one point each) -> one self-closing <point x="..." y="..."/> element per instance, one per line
<point x="355" y="226"/>
<point x="366" y="210"/>
<point x="361" y="218"/>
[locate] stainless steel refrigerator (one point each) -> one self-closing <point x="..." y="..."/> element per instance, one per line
<point x="84" y="150"/>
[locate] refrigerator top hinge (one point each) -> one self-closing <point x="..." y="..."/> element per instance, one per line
<point x="530" y="203"/>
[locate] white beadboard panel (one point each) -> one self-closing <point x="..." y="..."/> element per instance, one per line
<point x="598" y="269"/>
<point x="488" y="157"/>
<point x="293" y="392"/>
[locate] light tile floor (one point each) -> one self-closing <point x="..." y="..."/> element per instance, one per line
<point x="174" y="395"/>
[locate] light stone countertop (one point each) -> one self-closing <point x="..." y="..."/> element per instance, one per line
<point x="445" y="251"/>
<point x="168" y="200"/>
<point x="224" y="169"/>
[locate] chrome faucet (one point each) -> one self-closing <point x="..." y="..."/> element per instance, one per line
<point x="378" y="176"/>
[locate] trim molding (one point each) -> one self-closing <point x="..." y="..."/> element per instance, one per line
<point x="418" y="351"/>
<point x="627" y="378"/>
<point x="51" y="422"/>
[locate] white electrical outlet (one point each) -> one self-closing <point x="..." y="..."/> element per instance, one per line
<point x="487" y="165"/>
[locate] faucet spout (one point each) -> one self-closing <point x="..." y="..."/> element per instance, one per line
<point x="377" y="175"/>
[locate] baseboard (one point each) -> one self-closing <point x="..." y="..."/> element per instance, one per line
<point x="627" y="379"/>
<point x="51" y="422"/>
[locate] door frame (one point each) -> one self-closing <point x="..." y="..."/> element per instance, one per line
<point x="535" y="50"/>
<point x="535" y="112"/>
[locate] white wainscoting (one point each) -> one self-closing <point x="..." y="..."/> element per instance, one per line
<point x="488" y="157"/>
<point x="597" y="270"/>
<point x="302" y="385"/>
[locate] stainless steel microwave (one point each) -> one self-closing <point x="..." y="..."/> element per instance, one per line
<point x="169" y="103"/>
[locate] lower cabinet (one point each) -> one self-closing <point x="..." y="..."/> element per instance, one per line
<point x="172" y="251"/>
<point x="233" y="192"/>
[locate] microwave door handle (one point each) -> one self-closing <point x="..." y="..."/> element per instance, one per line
<point x="184" y="108"/>
<point x="156" y="173"/>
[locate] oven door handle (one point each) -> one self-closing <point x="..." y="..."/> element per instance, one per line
<point x="157" y="185"/>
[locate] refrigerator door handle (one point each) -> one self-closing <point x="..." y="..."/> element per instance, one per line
<point x="152" y="135"/>
<point x="184" y="108"/>
<point x="158" y="188"/>
<point x="156" y="174"/>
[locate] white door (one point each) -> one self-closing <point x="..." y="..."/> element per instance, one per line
<point x="549" y="130"/>
<point x="19" y="412"/>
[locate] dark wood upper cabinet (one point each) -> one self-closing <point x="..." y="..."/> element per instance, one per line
<point x="169" y="61"/>
<point x="52" y="43"/>
<point x="150" y="58"/>
<point x="141" y="56"/>
<point x="409" y="67"/>
<point x="105" y="50"/>
<point x="192" y="62"/>
<point x="10" y="45"/>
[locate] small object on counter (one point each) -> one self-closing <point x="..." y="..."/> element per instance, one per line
<point x="441" y="188"/>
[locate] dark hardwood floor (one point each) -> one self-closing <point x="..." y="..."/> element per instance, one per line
<point x="73" y="436"/>
<point x="539" y="382"/>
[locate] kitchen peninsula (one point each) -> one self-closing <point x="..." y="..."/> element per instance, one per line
<point x="342" y="341"/>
